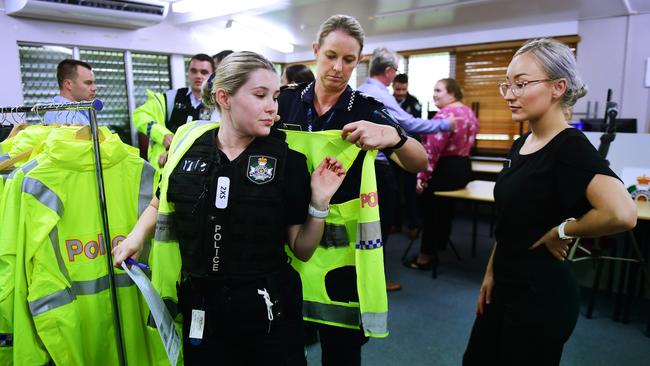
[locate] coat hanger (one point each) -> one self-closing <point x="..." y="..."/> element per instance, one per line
<point x="84" y="133"/>
<point x="5" y="165"/>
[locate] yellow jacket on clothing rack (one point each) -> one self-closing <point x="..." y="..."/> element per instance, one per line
<point x="57" y="300"/>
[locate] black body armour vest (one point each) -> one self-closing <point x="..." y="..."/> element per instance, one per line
<point x="236" y="229"/>
<point x="182" y="108"/>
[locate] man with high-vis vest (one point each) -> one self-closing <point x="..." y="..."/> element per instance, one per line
<point x="161" y="115"/>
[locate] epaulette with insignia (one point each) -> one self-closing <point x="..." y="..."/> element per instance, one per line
<point x="289" y="86"/>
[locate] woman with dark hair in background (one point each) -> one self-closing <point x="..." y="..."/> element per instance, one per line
<point x="296" y="74"/>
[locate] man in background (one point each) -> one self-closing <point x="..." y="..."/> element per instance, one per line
<point x="76" y="83"/>
<point x="407" y="180"/>
<point x="409" y="103"/>
<point x="161" y="115"/>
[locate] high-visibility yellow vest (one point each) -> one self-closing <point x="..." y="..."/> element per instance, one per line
<point x="149" y="119"/>
<point x="57" y="302"/>
<point x="352" y="237"/>
<point x="166" y="263"/>
<point x="359" y="245"/>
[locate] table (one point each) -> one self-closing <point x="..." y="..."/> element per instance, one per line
<point x="487" y="167"/>
<point x="475" y="191"/>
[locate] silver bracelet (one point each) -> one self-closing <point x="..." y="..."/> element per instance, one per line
<point x="316" y="213"/>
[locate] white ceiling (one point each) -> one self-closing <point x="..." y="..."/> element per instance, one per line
<point x="390" y="20"/>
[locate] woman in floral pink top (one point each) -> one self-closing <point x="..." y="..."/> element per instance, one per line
<point x="449" y="169"/>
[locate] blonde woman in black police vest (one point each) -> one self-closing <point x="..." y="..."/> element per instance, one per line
<point x="253" y="301"/>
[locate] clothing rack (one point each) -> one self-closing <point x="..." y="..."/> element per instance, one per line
<point x="92" y="107"/>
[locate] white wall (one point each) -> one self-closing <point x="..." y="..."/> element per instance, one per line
<point x="406" y="42"/>
<point x="164" y="38"/>
<point x="612" y="54"/>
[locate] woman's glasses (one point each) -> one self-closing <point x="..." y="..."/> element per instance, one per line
<point x="517" y="88"/>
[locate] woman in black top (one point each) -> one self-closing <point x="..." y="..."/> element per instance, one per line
<point x="556" y="188"/>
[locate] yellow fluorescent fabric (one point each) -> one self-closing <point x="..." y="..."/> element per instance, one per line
<point x="61" y="304"/>
<point x="149" y="119"/>
<point x="360" y="219"/>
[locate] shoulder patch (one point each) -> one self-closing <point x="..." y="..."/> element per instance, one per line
<point x="261" y="169"/>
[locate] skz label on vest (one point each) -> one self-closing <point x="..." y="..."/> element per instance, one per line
<point x="91" y="249"/>
<point x="223" y="189"/>
<point x="369" y="199"/>
<point x="261" y="169"/>
<point x="194" y="165"/>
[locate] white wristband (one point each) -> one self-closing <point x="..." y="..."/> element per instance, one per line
<point x="560" y="229"/>
<point x="316" y="213"/>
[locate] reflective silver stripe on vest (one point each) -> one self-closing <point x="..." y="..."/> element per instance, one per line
<point x="43" y="194"/>
<point x="334" y="236"/>
<point x="54" y="239"/>
<point x="165" y="228"/>
<point x="29" y="166"/>
<point x="91" y="287"/>
<point x="331" y="313"/>
<point x="170" y="97"/>
<point x="369" y="236"/>
<point x="198" y="124"/>
<point x="67" y="295"/>
<point x="25" y="168"/>
<point x="375" y="323"/>
<point x="146" y="187"/>
<point x="51" y="301"/>
<point x="4" y="157"/>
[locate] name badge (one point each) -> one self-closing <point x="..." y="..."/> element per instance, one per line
<point x="196" y="326"/>
<point x="223" y="189"/>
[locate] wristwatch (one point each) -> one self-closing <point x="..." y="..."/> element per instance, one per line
<point x="316" y="213"/>
<point x="560" y="229"/>
<point x="402" y="137"/>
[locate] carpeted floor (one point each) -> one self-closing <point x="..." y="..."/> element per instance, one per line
<point x="430" y="320"/>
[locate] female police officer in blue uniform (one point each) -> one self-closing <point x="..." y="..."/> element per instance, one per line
<point x="328" y="103"/>
<point x="252" y="298"/>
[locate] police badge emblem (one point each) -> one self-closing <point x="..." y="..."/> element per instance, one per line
<point x="261" y="169"/>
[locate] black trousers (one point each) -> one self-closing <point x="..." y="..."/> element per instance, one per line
<point x="340" y="346"/>
<point x="237" y="326"/>
<point x="451" y="173"/>
<point x="388" y="193"/>
<point x="530" y="317"/>
<point x="407" y="183"/>
<point x="437" y="217"/>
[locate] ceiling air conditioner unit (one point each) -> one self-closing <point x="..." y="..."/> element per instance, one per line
<point x="131" y="14"/>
